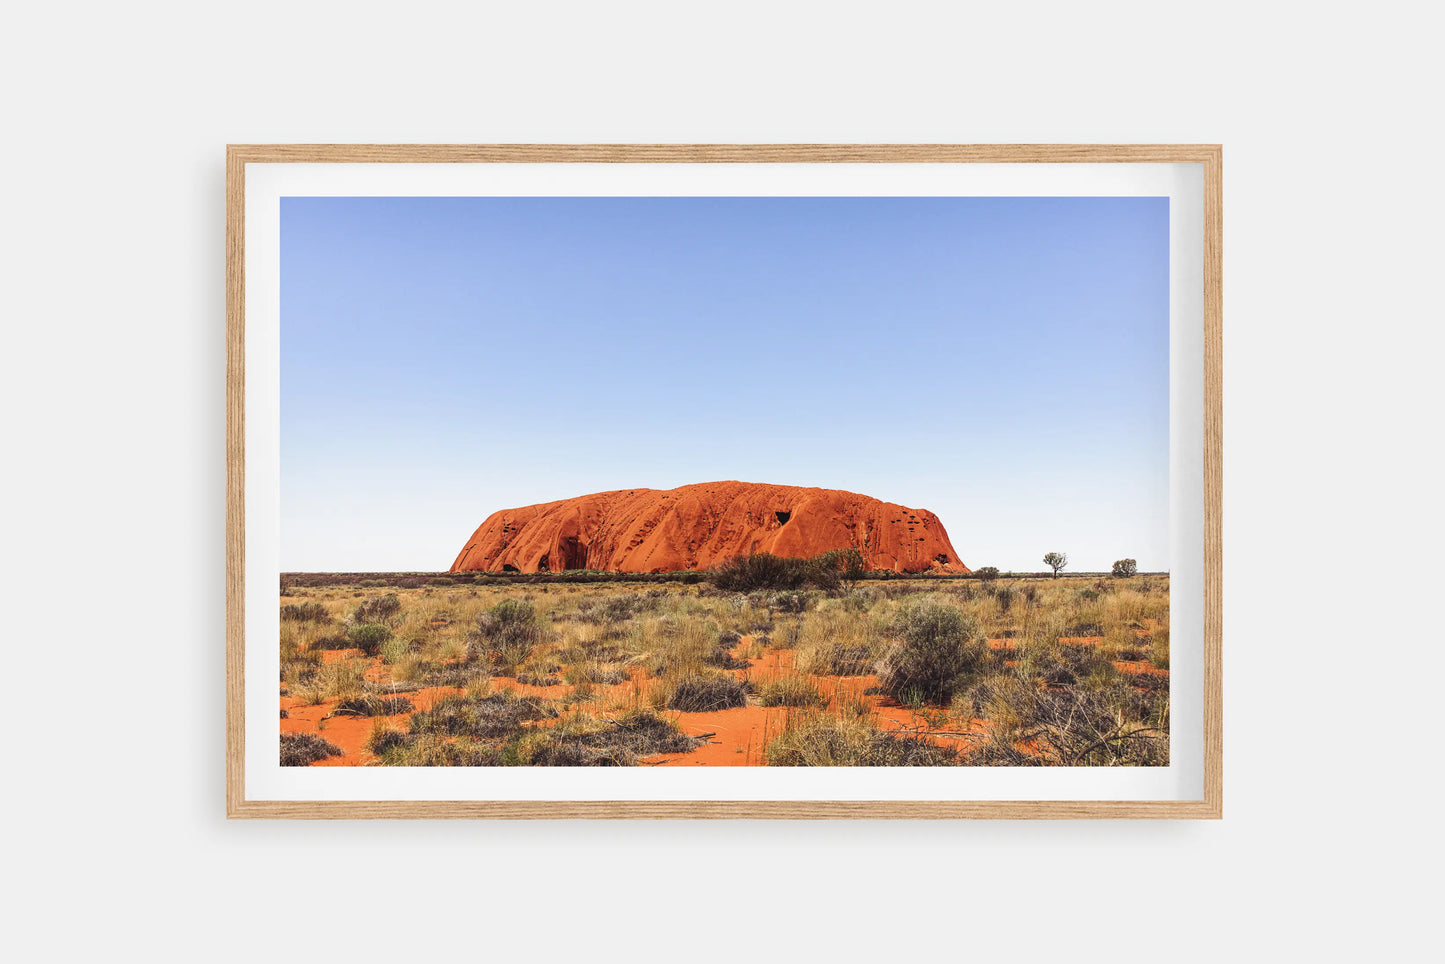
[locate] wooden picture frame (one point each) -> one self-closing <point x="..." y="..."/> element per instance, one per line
<point x="1208" y="157"/>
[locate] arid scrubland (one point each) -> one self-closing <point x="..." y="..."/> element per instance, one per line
<point x="483" y="671"/>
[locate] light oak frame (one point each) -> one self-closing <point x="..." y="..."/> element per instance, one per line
<point x="1209" y="156"/>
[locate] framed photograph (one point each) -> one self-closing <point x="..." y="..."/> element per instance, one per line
<point x="737" y="481"/>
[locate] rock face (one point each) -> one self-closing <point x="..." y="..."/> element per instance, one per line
<point x="699" y="526"/>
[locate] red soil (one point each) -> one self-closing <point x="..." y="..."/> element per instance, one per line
<point x="350" y="733"/>
<point x="698" y="526"/>
<point x="735" y="737"/>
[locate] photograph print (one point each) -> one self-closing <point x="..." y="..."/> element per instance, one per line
<point x="750" y="482"/>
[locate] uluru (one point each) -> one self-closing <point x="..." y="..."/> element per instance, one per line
<point x="699" y="526"/>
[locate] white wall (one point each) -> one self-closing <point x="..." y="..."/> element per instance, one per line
<point x="116" y="117"/>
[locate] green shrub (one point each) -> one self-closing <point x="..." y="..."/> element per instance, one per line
<point x="1124" y="568"/>
<point x="369" y="637"/>
<point x="378" y="609"/>
<point x="937" y="647"/>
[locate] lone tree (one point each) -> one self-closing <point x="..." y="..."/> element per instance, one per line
<point x="1056" y="561"/>
<point x="1124" y="568"/>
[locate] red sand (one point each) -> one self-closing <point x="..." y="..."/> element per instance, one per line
<point x="699" y="526"/>
<point x="738" y="736"/>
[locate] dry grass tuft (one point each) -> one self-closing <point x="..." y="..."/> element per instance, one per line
<point x="304" y="749"/>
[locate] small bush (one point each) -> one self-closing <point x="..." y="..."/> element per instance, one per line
<point x="937" y="646"/>
<point x="385" y="739"/>
<point x="378" y="609"/>
<point x="986" y="573"/>
<point x="369" y="637"/>
<point x="615" y="609"/>
<point x="1005" y="597"/>
<point x="312" y="612"/>
<point x="763" y="570"/>
<point x="1124" y="568"/>
<point x="304" y="749"/>
<point x="507" y="632"/>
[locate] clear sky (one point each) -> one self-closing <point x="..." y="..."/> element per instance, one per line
<point x="1003" y="362"/>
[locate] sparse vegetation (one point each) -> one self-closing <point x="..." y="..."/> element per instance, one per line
<point x="986" y="669"/>
<point x="764" y="570"/>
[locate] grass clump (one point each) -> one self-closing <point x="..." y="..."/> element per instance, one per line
<point x="304" y="749"/>
<point x="821" y="740"/>
<point x="1159" y="649"/>
<point x="599" y="674"/>
<point x="721" y="654"/>
<point x="790" y="691"/>
<point x="372" y="705"/>
<point x="339" y="680"/>
<point x="480" y="717"/>
<point x="1112" y="726"/>
<point x="404" y="750"/>
<point x="702" y="693"/>
<point x="332" y="642"/>
<point x="615" y="742"/>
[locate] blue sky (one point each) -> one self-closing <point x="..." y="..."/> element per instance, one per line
<point x="1000" y="361"/>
